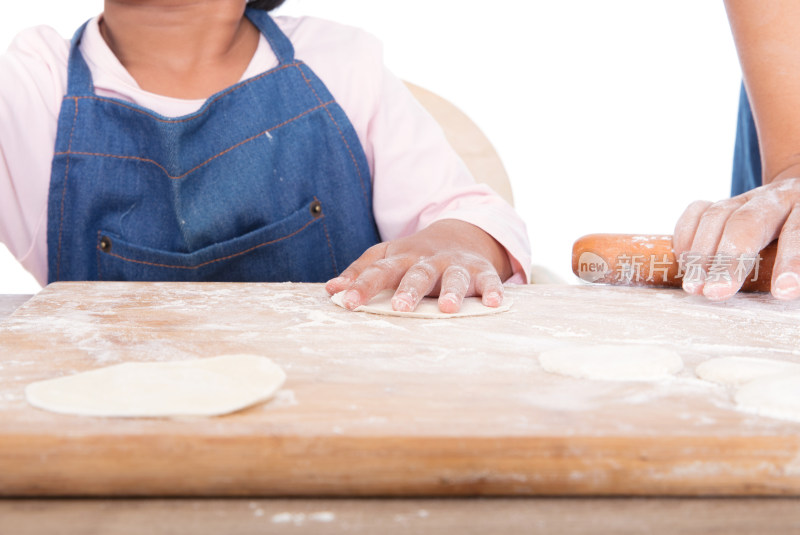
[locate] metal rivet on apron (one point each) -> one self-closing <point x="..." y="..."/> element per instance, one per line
<point x="316" y="209"/>
<point x="105" y="244"/>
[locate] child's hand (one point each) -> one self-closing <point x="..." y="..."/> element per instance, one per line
<point x="740" y="227"/>
<point x="450" y="258"/>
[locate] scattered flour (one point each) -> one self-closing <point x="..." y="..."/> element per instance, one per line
<point x="298" y="519"/>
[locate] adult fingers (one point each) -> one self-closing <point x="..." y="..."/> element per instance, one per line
<point x="748" y="230"/>
<point x="706" y="239"/>
<point x="786" y="272"/>
<point x="349" y="275"/>
<point x="686" y="227"/>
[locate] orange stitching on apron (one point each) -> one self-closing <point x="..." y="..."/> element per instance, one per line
<point x="198" y="266"/>
<point x="205" y="106"/>
<point x="195" y="168"/>
<point x="64" y="192"/>
<point x="347" y="145"/>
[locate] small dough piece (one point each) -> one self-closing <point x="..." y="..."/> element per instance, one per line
<point x="613" y="362"/>
<point x="428" y="308"/>
<point x="776" y="396"/>
<point x="202" y="387"/>
<point x="736" y="371"/>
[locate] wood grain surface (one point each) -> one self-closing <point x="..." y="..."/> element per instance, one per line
<point x="11" y="302"/>
<point x="468" y="516"/>
<point x="397" y="406"/>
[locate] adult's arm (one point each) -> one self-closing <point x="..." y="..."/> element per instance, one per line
<point x="735" y="229"/>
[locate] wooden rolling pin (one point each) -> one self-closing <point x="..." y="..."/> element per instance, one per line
<point x="646" y="260"/>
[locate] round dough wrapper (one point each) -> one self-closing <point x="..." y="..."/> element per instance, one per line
<point x="612" y="362"/>
<point x="736" y="371"/>
<point x="202" y="387"/>
<point x="777" y="396"/>
<point x="428" y="308"/>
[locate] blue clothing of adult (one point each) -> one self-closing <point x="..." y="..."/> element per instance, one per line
<point x="267" y="181"/>
<point x="746" y="156"/>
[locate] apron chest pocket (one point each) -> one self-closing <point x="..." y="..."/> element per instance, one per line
<point x="269" y="254"/>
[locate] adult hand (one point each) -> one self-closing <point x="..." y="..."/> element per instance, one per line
<point x="722" y="233"/>
<point x="450" y="258"/>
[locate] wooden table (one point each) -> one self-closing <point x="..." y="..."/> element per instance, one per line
<point x="465" y="515"/>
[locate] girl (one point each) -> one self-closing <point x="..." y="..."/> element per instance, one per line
<point x="205" y="140"/>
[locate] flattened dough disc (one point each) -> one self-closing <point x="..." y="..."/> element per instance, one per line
<point x="776" y="396"/>
<point x="736" y="371"/>
<point x="612" y="362"/>
<point x="203" y="387"/>
<point x="428" y="308"/>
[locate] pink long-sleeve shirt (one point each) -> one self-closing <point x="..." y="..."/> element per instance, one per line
<point x="417" y="177"/>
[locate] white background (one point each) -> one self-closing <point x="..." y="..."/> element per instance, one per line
<point x="609" y="116"/>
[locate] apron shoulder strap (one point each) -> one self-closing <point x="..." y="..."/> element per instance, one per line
<point x="281" y="46"/>
<point x="79" y="78"/>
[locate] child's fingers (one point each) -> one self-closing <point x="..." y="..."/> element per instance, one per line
<point x="415" y="266"/>
<point x="385" y="273"/>
<point x="786" y="272"/>
<point x="456" y="282"/>
<point x="459" y="275"/>
<point x="490" y="288"/>
<point x="346" y="278"/>
<point x="417" y="282"/>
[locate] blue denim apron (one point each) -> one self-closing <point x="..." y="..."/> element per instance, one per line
<point x="266" y="182"/>
<point x="746" y="156"/>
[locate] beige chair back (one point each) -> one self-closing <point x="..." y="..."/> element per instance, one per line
<point x="478" y="153"/>
<point x="468" y="141"/>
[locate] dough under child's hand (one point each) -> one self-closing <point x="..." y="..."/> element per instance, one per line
<point x="428" y="308"/>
